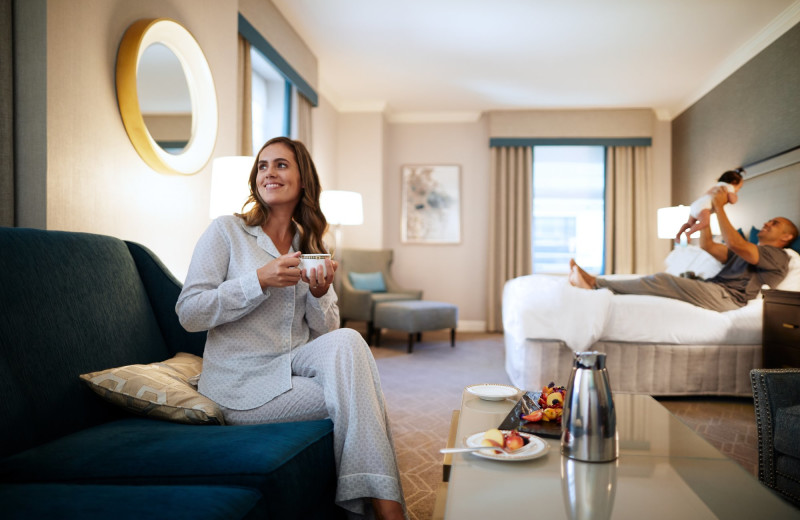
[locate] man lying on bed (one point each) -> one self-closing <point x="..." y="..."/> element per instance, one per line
<point x="747" y="267"/>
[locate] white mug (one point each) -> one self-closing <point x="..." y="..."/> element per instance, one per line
<point x="309" y="262"/>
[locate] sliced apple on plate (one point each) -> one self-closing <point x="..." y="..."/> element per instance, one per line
<point x="493" y="437"/>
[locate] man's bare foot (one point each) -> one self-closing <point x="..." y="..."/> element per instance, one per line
<point x="580" y="278"/>
<point x="388" y="509"/>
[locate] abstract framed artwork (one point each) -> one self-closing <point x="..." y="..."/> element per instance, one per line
<point x="431" y="204"/>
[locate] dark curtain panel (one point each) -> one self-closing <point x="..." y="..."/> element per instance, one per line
<point x="6" y="113"/>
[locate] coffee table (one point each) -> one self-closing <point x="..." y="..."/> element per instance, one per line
<point x="664" y="470"/>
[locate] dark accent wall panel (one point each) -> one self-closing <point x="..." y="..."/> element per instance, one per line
<point x="30" y="113"/>
<point x="753" y="114"/>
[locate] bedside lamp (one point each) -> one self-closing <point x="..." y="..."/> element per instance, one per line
<point x="671" y="219"/>
<point x="341" y="208"/>
<point x="229" y="184"/>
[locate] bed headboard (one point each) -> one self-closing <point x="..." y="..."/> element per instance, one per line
<point x="774" y="193"/>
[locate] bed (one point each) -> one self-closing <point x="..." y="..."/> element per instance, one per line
<point x="653" y="345"/>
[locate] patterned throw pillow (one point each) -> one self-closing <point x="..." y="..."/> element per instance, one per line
<point x="158" y="390"/>
<point x="372" y="282"/>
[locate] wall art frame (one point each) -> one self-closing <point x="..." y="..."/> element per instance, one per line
<point x="431" y="204"/>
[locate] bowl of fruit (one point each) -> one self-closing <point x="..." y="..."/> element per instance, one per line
<point x="538" y="412"/>
<point x="551" y="405"/>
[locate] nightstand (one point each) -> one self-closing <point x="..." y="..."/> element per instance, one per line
<point x="781" y="333"/>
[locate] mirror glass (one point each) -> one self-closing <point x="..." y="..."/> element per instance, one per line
<point x="164" y="98"/>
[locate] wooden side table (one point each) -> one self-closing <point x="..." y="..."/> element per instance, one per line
<point x="781" y="333"/>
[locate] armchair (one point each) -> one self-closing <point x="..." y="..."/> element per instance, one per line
<point x="359" y="305"/>
<point x="776" y="395"/>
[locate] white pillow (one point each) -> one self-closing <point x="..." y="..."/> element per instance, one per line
<point x="692" y="258"/>
<point x="792" y="280"/>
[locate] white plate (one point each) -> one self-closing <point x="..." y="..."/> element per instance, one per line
<point x="492" y="392"/>
<point x="535" y="448"/>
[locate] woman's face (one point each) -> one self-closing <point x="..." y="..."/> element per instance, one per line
<point x="278" y="177"/>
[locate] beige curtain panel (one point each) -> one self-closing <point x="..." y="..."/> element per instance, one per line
<point x="301" y="118"/>
<point x="244" y="99"/>
<point x="511" y="199"/>
<point x="630" y="212"/>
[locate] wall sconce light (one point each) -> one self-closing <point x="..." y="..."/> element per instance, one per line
<point x="341" y="208"/>
<point x="229" y="184"/>
<point x="671" y="219"/>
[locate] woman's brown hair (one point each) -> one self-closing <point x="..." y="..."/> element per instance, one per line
<point x="308" y="217"/>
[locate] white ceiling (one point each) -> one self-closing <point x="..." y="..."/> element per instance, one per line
<point x="456" y="58"/>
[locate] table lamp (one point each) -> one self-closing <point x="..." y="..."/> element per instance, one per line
<point x="672" y="218"/>
<point x="341" y="208"/>
<point x="229" y="184"/>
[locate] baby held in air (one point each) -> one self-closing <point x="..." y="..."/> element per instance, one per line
<point x="700" y="210"/>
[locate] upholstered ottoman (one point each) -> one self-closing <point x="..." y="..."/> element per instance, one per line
<point x="415" y="317"/>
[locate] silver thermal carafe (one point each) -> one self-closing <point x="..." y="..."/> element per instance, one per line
<point x="589" y="422"/>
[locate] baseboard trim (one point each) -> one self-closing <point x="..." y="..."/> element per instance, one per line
<point x="471" y="326"/>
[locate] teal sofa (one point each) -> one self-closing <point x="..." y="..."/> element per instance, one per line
<point x="73" y="303"/>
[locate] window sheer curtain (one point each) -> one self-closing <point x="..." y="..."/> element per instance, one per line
<point x="244" y="98"/>
<point x="630" y="225"/>
<point x="510" y="213"/>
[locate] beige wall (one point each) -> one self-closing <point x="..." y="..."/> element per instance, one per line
<point x="453" y="273"/>
<point x="169" y="127"/>
<point x="369" y="153"/>
<point x="359" y="167"/>
<point x="324" y="140"/>
<point x="572" y="123"/>
<point x="96" y="182"/>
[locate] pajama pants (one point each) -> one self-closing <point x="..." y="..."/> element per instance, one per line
<point x="697" y="292"/>
<point x="335" y="376"/>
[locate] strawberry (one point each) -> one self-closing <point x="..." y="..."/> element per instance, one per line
<point x="533" y="416"/>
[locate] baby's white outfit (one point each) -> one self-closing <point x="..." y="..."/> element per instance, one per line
<point x="704" y="202"/>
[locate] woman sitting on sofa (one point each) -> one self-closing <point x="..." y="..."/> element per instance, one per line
<point x="274" y="351"/>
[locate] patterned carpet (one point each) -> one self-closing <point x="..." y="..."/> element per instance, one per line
<point x="422" y="390"/>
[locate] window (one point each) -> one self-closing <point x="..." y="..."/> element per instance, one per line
<point x="568" y="208"/>
<point x="270" y="100"/>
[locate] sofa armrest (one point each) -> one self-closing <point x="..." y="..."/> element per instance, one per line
<point x="772" y="389"/>
<point x="162" y="290"/>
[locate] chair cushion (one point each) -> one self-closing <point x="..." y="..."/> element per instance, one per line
<point x="68" y="501"/>
<point x="158" y="390"/>
<point x="392" y="297"/>
<point x="372" y="282"/>
<point x="141" y="451"/>
<point x="787" y="431"/>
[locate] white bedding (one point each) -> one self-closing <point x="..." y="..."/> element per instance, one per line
<point x="547" y="307"/>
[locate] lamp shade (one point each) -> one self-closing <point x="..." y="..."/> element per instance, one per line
<point x="229" y="184"/>
<point x="671" y="219"/>
<point x="342" y="207"/>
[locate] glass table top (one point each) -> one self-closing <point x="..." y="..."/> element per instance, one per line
<point x="665" y="470"/>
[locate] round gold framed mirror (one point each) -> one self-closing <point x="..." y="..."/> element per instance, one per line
<point x="202" y="121"/>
